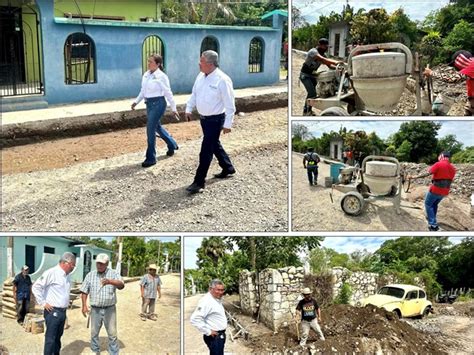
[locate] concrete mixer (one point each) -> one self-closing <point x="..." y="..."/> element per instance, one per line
<point x="379" y="177"/>
<point x="378" y="76"/>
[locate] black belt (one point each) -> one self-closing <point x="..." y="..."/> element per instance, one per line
<point x="221" y="331"/>
<point x="213" y="116"/>
<point x="60" y="309"/>
<point x="102" y="307"/>
<point x="442" y="183"/>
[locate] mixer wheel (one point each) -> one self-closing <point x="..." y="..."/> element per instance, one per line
<point x="352" y="203"/>
<point x="334" y="111"/>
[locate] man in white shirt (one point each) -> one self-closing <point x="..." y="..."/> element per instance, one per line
<point x="210" y="319"/>
<point x="51" y="292"/>
<point x="213" y="97"/>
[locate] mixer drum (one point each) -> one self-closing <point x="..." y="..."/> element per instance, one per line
<point x="379" y="79"/>
<point x="380" y="176"/>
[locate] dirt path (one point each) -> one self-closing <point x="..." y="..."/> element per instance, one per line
<point x="312" y="209"/>
<point x="117" y="194"/>
<point x="193" y="343"/>
<point x="135" y="335"/>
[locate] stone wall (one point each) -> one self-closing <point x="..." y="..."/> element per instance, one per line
<point x="273" y="293"/>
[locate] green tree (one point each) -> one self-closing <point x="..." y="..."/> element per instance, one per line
<point x="465" y="156"/>
<point x="275" y="252"/>
<point x="372" y="27"/>
<point x="405" y="30"/>
<point x="455" y="270"/>
<point x="300" y="131"/>
<point x="403" y="151"/>
<point x="344" y="295"/>
<point x="212" y="249"/>
<point x="449" y="143"/>
<point x="422" y="137"/>
<point x="460" y="37"/>
<point x="297" y="20"/>
<point x="430" y="45"/>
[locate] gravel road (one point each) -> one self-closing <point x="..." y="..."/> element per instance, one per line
<point x="312" y="209"/>
<point x="193" y="342"/>
<point x="135" y="336"/>
<point x="116" y="194"/>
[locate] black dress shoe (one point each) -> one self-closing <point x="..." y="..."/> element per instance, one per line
<point x="194" y="188"/>
<point x="224" y="173"/>
<point x="147" y="164"/>
<point x="170" y="153"/>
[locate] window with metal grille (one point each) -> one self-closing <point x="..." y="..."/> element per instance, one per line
<point x="48" y="250"/>
<point x="210" y="43"/>
<point x="256" y="55"/>
<point x="152" y="45"/>
<point x="79" y="59"/>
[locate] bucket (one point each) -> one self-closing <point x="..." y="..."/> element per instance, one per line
<point x="334" y="171"/>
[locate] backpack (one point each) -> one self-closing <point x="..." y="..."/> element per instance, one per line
<point x="313" y="159"/>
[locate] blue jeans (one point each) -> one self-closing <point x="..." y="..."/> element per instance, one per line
<point x="54" y="321"/>
<point x="155" y="108"/>
<point x="431" y="206"/>
<point x="215" y="344"/>
<point x="107" y="316"/>
<point x="211" y="128"/>
<point x="312" y="174"/>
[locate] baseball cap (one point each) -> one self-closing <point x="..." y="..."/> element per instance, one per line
<point x="306" y="291"/>
<point x="323" y="41"/>
<point x="25" y="267"/>
<point x="102" y="258"/>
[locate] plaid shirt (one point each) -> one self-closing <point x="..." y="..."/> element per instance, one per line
<point x="100" y="296"/>
<point x="151" y="283"/>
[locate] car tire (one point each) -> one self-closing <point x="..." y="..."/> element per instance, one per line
<point x="397" y="314"/>
<point x="425" y="313"/>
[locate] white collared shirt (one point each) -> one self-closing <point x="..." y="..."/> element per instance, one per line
<point x="209" y="315"/>
<point x="156" y="84"/>
<point x="53" y="288"/>
<point x="213" y="94"/>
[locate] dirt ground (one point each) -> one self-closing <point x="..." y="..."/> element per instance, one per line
<point x="193" y="342"/>
<point x="406" y="106"/>
<point x="371" y="330"/>
<point x="135" y="335"/>
<point x="312" y="209"/>
<point x="96" y="183"/>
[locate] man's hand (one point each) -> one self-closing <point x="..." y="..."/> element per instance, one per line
<point x="213" y="333"/>
<point x="105" y="282"/>
<point x="133" y="105"/>
<point x="48" y="307"/>
<point x="159" y="295"/>
<point x="189" y="116"/>
<point x="85" y="310"/>
<point x="226" y="130"/>
<point x="427" y="72"/>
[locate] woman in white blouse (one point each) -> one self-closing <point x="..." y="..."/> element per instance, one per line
<point x="155" y="88"/>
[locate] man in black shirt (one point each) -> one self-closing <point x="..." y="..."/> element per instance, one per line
<point x="314" y="58"/>
<point x="310" y="163"/>
<point x="21" y="293"/>
<point x="310" y="314"/>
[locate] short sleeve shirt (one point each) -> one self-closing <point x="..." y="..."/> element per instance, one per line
<point x="442" y="170"/>
<point x="23" y="285"/>
<point x="308" y="309"/>
<point x="100" y="296"/>
<point x="310" y="64"/>
<point x="150" y="283"/>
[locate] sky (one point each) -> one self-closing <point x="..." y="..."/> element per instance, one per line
<point x="415" y="9"/>
<point x="340" y="244"/>
<point x="461" y="129"/>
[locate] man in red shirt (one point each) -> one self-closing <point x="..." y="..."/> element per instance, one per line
<point x="443" y="174"/>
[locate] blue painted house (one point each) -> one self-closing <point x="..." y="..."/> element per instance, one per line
<point x="42" y="253"/>
<point x="83" y="60"/>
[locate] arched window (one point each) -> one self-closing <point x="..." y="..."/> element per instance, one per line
<point x="256" y="54"/>
<point x="152" y="45"/>
<point x="210" y="43"/>
<point x="79" y="59"/>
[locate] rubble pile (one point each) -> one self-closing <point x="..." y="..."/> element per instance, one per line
<point x="462" y="186"/>
<point x="350" y="329"/>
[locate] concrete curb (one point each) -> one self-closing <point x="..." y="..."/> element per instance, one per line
<point x="36" y="131"/>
